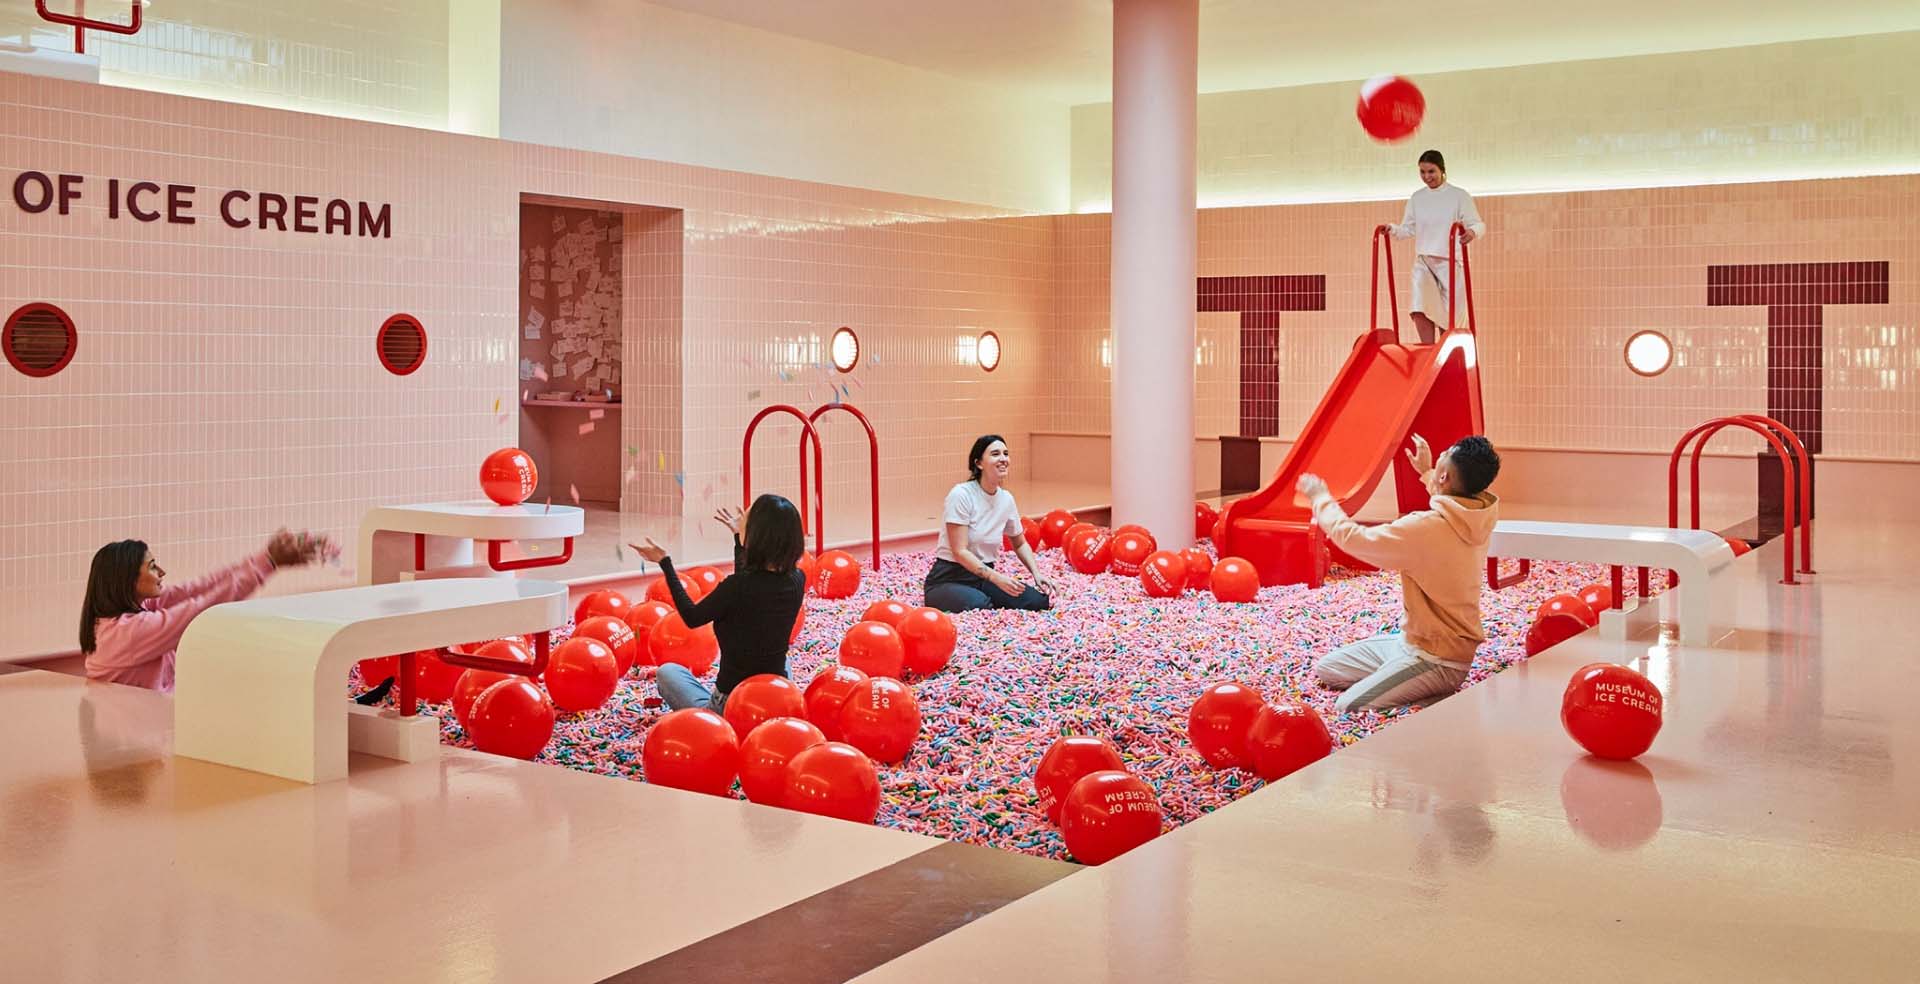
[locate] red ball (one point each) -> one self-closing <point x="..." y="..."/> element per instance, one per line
<point x="433" y="678"/>
<point x="768" y="751"/>
<point x="1552" y="629"/>
<point x="1597" y="597"/>
<point x="1030" y="532"/>
<point x="1199" y="568"/>
<point x="1570" y="605"/>
<point x="1390" y="108"/>
<point x="511" y="717"/>
<point x="616" y="634"/>
<point x="1234" y="579"/>
<point x="1164" y="575"/>
<point x="657" y="589"/>
<point x="641" y="619"/>
<point x="880" y="718"/>
<point x="1053" y="529"/>
<point x="581" y="674"/>
<point x="873" y="648"/>
<point x="472" y="684"/>
<point x="886" y="610"/>
<point x="1130" y="550"/>
<point x="374" y="671"/>
<point x="1220" y="721"/>
<point x="1107" y="814"/>
<point x="1090" y="552"/>
<point x="1076" y="528"/>
<point x="508" y="476"/>
<point x="708" y="579"/>
<point x="672" y="642"/>
<point x="611" y="603"/>
<point x="1612" y="711"/>
<point x="839" y="574"/>
<point x="827" y="693"/>
<point x="811" y="568"/>
<point x="516" y="648"/>
<point x="692" y="748"/>
<point x="833" y="780"/>
<point x="1740" y="547"/>
<point x="1132" y="528"/>
<point x="927" y="637"/>
<point x="762" y="697"/>
<point x="1286" y="736"/>
<point x="1204" y="516"/>
<point x="1066" y="762"/>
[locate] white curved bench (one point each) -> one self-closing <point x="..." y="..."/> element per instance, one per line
<point x="441" y="539"/>
<point x="261" y="684"/>
<point x="1695" y="555"/>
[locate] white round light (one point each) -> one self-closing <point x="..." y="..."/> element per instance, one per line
<point x="1649" y="353"/>
<point x="846" y="349"/>
<point x="989" y="351"/>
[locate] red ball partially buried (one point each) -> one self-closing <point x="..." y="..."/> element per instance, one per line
<point x="707" y="577"/>
<point x="1598" y="597"/>
<point x="1286" y="736"/>
<point x="1054" y="527"/>
<point x="1218" y="723"/>
<point x="472" y="684"/>
<point x="760" y="698"/>
<point x="927" y="637"/>
<point x="581" y="674"/>
<point x="641" y="619"/>
<point x="1612" y="711"/>
<point x="434" y="679"/>
<point x="1204" y="516"/>
<point x="827" y="693"/>
<point x="838" y="575"/>
<point x="1570" y="605"/>
<point x="833" y="780"/>
<point x="873" y="648"/>
<point x="1390" y="108"/>
<point x="768" y="751"/>
<point x="881" y="718"/>
<point x="1199" y="568"/>
<point x="1067" y="761"/>
<point x="511" y="717"/>
<point x="1089" y="552"/>
<point x="1130" y="550"/>
<point x="1235" y="580"/>
<point x="1107" y="814"/>
<point x="672" y="642"/>
<point x="508" y="476"/>
<point x="886" y="610"/>
<point x="1164" y="575"/>
<point x="692" y="748"/>
<point x="603" y="603"/>
<point x="1552" y="629"/>
<point x="657" y="589"/>
<point x="616" y="634"/>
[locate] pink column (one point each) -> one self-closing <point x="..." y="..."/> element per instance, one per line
<point x="1156" y="46"/>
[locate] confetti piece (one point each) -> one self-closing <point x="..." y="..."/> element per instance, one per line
<point x="595" y="414"/>
<point x="496" y="404"/>
<point x="753" y="394"/>
<point x="661" y="460"/>
<point x="633" y="452"/>
<point x="586" y="428"/>
<point x="549" y="505"/>
<point x="540" y="372"/>
<point x="619" y="555"/>
<point x="1106" y="660"/>
<point x="574" y="492"/>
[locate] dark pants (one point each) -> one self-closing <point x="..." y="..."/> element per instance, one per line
<point x="951" y="589"/>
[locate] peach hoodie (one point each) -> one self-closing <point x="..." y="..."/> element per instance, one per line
<point x="1441" y="554"/>
<point x="137" y="648"/>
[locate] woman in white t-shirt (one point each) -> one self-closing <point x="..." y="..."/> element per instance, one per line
<point x="978" y="513"/>
<point x="1429" y="219"/>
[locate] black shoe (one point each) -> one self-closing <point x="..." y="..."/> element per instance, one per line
<point x="377" y="694"/>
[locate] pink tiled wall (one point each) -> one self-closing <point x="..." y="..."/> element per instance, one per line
<point x="1561" y="281"/>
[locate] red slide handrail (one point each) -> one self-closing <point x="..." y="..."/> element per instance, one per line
<point x="1465" y="266"/>
<point x="1383" y="237"/>
<point x="1705" y="433"/>
<point x="81" y="24"/>
<point x="873" y="468"/>
<point x="746" y="469"/>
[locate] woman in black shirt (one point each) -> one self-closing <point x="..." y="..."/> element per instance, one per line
<point x="752" y="611"/>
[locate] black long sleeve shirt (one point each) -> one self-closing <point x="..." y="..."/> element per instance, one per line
<point x="752" y="614"/>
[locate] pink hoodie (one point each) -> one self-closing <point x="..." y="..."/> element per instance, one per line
<point x="137" y="648"/>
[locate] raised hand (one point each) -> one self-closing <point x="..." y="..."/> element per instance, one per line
<point x="1420" y="456"/>
<point x="1312" y="486"/>
<point x="650" y="551"/>
<point x="729" y="518"/>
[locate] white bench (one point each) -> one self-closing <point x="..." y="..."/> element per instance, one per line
<point x="261" y="684"/>
<point x="1695" y="555"/>
<point x="439" y="539"/>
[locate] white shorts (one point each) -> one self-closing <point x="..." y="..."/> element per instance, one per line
<point x="1430" y="274"/>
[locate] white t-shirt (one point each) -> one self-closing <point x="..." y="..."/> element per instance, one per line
<point x="986" y="517"/>
<point x="1431" y="212"/>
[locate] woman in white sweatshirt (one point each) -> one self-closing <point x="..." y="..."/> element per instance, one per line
<point x="1431" y="213"/>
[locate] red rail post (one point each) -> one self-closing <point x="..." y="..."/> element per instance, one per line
<point x="1383" y="242"/>
<point x="1465" y="266"/>
<point x="873" y="464"/>
<point x="746" y="470"/>
<point x="81" y="24"/>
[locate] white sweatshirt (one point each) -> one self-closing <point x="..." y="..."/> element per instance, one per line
<point x="1431" y="212"/>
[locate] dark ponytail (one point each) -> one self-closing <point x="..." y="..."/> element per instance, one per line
<point x="110" y="586"/>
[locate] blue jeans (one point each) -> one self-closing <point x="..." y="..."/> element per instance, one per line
<point x="679" y="690"/>
<point x="951" y="589"/>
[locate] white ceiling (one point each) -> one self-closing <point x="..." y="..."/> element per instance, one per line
<point x="1061" y="49"/>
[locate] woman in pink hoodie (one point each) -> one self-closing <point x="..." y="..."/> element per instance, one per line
<point x="130" y="623"/>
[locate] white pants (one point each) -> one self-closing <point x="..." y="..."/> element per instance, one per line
<point x="1384" y="672"/>
<point x="1430" y="283"/>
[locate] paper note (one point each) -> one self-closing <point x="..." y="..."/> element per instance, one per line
<point x="582" y="366"/>
<point x="532" y="332"/>
<point x="538" y="288"/>
<point x="564" y="290"/>
<point x="539" y="254"/>
<point x="585" y="429"/>
<point x="526" y="369"/>
<point x="559" y="223"/>
<point x="595" y="414"/>
<point x="536" y="318"/>
<point x="559" y="369"/>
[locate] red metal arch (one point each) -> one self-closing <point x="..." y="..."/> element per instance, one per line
<point x="746" y="468"/>
<point x="1704" y="433"/>
<point x="873" y="469"/>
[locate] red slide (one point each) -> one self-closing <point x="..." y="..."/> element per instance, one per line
<point x="1384" y="393"/>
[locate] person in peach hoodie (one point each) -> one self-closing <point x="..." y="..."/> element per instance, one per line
<point x="1440" y="553"/>
<point x="131" y="623"/>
